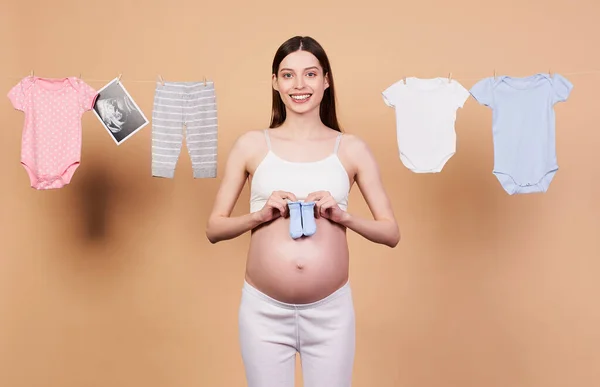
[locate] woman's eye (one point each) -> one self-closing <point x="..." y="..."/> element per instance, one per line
<point x="312" y="74"/>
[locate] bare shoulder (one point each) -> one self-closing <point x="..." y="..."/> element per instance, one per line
<point x="354" y="153"/>
<point x="250" y="148"/>
<point x="250" y="140"/>
<point x="354" y="146"/>
<point x="248" y="144"/>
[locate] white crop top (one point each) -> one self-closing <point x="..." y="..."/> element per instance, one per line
<point x="300" y="178"/>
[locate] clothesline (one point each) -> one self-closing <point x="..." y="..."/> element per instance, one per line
<point x="124" y="79"/>
<point x="558" y="72"/>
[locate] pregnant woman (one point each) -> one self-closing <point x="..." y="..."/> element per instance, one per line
<point x="296" y="296"/>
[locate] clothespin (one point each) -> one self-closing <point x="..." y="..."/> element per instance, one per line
<point x="79" y="75"/>
<point x="205" y="80"/>
<point x="450" y="77"/>
<point x="31" y="75"/>
<point x="550" y="73"/>
<point x="404" y="80"/>
<point x="119" y="79"/>
<point x="162" y="81"/>
<point x="494" y="74"/>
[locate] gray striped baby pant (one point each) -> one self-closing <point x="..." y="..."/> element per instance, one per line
<point x="190" y="108"/>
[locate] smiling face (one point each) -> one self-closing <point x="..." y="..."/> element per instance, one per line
<point x="300" y="82"/>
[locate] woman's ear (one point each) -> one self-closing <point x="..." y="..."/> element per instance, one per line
<point x="326" y="80"/>
<point x="274" y="81"/>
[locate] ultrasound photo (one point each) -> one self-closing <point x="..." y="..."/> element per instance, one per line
<point x="118" y="113"/>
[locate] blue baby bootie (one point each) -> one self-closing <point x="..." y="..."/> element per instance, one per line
<point x="309" y="226"/>
<point x="295" y="219"/>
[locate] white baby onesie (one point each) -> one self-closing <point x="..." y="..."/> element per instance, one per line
<point x="425" y="117"/>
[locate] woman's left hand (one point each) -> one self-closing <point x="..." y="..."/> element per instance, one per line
<point x="326" y="206"/>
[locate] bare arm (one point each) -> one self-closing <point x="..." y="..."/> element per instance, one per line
<point x="383" y="228"/>
<point x="221" y="226"/>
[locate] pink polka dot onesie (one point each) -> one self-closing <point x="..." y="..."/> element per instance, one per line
<point x="51" y="141"/>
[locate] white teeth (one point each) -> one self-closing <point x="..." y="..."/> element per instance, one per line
<point x="300" y="97"/>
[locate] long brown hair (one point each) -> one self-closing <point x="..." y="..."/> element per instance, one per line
<point x="327" y="107"/>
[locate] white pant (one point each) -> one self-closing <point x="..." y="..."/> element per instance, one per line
<point x="271" y="332"/>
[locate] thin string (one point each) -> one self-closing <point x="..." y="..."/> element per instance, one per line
<point x="453" y="77"/>
<point x="553" y="72"/>
<point x="122" y="80"/>
<point x="93" y="80"/>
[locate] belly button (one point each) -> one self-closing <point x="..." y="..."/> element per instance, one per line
<point x="299" y="266"/>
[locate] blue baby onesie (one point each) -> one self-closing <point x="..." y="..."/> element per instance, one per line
<point x="523" y="127"/>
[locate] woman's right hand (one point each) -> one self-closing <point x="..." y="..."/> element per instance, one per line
<point x="276" y="206"/>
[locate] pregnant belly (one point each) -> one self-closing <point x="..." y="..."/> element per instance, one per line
<point x="297" y="270"/>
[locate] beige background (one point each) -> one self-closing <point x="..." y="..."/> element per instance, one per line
<point x="111" y="281"/>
